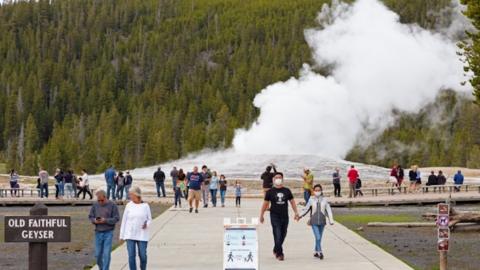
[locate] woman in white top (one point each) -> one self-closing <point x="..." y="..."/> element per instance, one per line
<point x="320" y="212"/>
<point x="84" y="185"/>
<point x="135" y="226"/>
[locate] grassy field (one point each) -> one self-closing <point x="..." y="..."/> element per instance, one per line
<point x="3" y="168"/>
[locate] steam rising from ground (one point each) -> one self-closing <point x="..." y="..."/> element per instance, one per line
<point x="378" y="64"/>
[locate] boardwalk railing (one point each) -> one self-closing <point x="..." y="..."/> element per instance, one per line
<point x="376" y="191"/>
<point x="32" y="192"/>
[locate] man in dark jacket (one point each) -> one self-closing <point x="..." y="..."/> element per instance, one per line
<point x="267" y="177"/>
<point x="442" y="180"/>
<point x="174" y="175"/>
<point x="159" y="177"/>
<point x="432" y="181"/>
<point x="104" y="215"/>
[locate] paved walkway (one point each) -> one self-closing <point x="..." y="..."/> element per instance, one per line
<point x="180" y="240"/>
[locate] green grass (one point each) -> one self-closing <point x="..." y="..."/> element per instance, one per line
<point x="3" y="168"/>
<point x="364" y="219"/>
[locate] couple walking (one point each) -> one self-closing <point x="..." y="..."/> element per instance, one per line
<point x="277" y="198"/>
<point x="134" y="230"/>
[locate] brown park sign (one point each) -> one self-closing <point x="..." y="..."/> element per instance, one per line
<point x="37" y="229"/>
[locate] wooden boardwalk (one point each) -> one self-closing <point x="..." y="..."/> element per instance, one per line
<point x="381" y="200"/>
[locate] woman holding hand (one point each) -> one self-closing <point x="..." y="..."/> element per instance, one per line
<point x="135" y="226"/>
<point x="320" y="211"/>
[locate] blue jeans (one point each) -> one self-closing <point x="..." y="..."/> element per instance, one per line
<point x="103" y="248"/>
<point x="120" y="192"/>
<point x="111" y="188"/>
<point x="142" y="253"/>
<point x="279" y="228"/>
<point x="178" y="196"/>
<point x="59" y="189"/>
<point x="69" y="188"/>
<point x="160" y="185"/>
<point x="318" y="232"/>
<point x="213" y="193"/>
<point x="44" y="190"/>
<point x="127" y="189"/>
<point x="222" y="196"/>
<point x="306" y="195"/>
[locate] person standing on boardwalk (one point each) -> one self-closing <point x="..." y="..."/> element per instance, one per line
<point x="120" y="182"/>
<point x="320" y="211"/>
<point x="195" y="182"/>
<point x="177" y="189"/>
<point x="182" y="185"/>
<point x="174" y="176"/>
<point x="104" y="215"/>
<point x="352" y="181"/>
<point x="59" y="181"/>
<point x="70" y="192"/>
<point x="277" y="198"/>
<point x="110" y="179"/>
<point x="238" y="194"/>
<point x="84" y="185"/>
<point x="128" y="184"/>
<point x="307" y="184"/>
<point x="14" y="178"/>
<point x="214" y="188"/>
<point x="159" y="178"/>
<point x="135" y="228"/>
<point x="223" y="189"/>
<point x="267" y="177"/>
<point x="43" y="176"/>
<point x="336" y="183"/>
<point x="207" y="177"/>
<point x="458" y="180"/>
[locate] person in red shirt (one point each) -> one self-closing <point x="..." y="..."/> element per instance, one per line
<point x="352" y="180"/>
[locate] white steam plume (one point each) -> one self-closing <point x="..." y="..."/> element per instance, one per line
<point x="378" y="64"/>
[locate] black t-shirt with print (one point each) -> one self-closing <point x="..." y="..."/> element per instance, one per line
<point x="279" y="198"/>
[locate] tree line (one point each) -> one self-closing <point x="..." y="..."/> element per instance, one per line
<point x="86" y="84"/>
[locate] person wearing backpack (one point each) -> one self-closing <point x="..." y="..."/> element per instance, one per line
<point x="320" y="211"/>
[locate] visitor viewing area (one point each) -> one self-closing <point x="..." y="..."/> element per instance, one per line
<point x="201" y="235"/>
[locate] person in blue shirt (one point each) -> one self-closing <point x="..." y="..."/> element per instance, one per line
<point x="195" y="180"/>
<point x="110" y="179"/>
<point x="458" y="180"/>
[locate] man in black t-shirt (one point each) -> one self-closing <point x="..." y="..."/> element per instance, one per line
<point x="277" y="198"/>
<point x="267" y="177"/>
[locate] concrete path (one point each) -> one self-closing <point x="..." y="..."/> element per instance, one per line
<point x="180" y="240"/>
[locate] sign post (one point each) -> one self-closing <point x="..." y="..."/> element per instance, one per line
<point x="443" y="232"/>
<point x="37" y="229"/>
<point x="38" y="252"/>
<point x="240" y="245"/>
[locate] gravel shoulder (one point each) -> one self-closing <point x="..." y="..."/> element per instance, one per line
<point x="78" y="254"/>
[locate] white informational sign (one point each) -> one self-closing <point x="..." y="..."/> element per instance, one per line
<point x="240" y="245"/>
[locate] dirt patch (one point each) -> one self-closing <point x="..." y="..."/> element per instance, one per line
<point x="415" y="246"/>
<point x="78" y="254"/>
